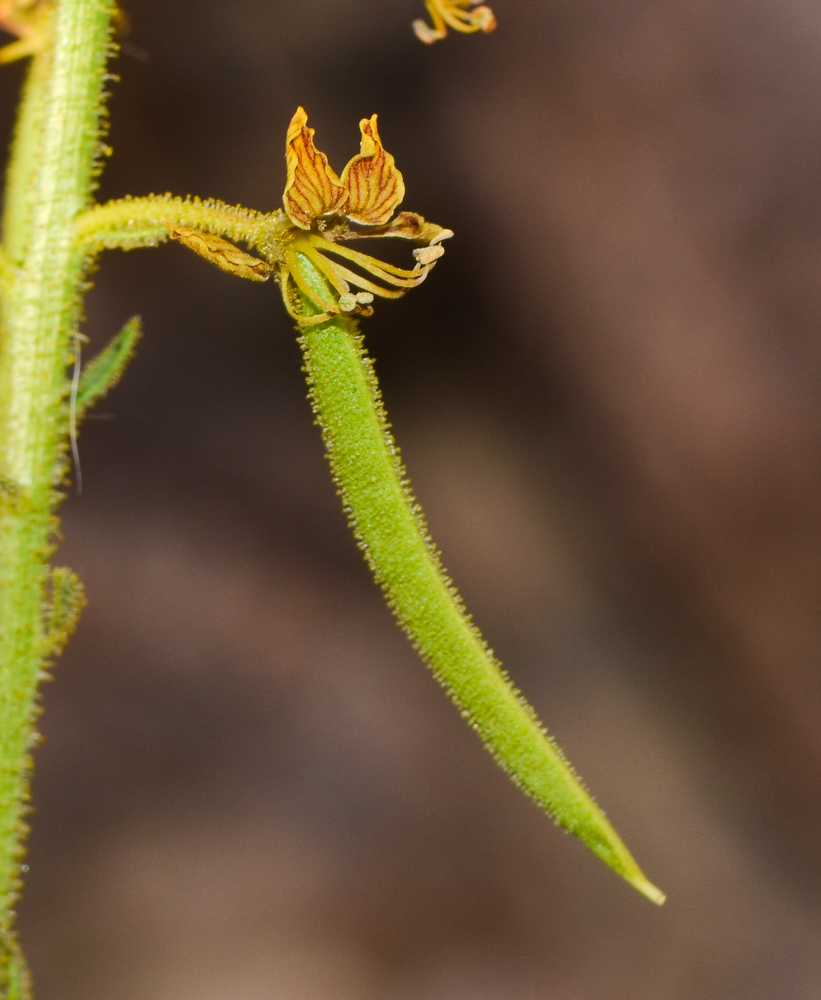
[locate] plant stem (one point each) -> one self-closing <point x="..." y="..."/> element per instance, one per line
<point x="129" y="223"/>
<point x="62" y="109"/>
<point x="391" y="531"/>
<point x="22" y="163"/>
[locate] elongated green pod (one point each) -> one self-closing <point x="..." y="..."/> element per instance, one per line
<point x="391" y="531"/>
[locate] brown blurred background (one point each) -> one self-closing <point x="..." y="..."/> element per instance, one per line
<point x="608" y="399"/>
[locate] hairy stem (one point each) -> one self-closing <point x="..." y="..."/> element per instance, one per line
<point x="129" y="223"/>
<point x="22" y="166"/>
<point x="56" y="148"/>
<point x="391" y="531"/>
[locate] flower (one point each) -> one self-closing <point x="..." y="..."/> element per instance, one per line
<point x="300" y="244"/>
<point x="323" y="209"/>
<point x="457" y="15"/>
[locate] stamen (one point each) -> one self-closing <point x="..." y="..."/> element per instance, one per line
<point x="426" y="34"/>
<point x="362" y="259"/>
<point x="427" y="255"/>
<point x="369" y="286"/>
<point x="484" y="19"/>
<point x="327" y="267"/>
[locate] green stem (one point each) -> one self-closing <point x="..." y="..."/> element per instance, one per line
<point x="391" y="531"/>
<point x="39" y="313"/>
<point x="129" y="223"/>
<point x="21" y="170"/>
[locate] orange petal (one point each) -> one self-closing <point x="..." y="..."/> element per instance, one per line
<point x="406" y="225"/>
<point x="374" y="184"/>
<point x="312" y="188"/>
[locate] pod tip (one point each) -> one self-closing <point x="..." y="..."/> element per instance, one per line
<point x="646" y="888"/>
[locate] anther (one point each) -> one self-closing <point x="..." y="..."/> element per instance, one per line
<point x="426" y="34"/>
<point x="427" y="255"/>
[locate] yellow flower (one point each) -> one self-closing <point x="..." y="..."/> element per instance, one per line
<point x="456" y="14"/>
<point x="323" y="209"/>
